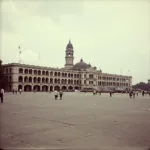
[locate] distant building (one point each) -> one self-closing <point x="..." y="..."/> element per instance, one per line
<point x="73" y="76"/>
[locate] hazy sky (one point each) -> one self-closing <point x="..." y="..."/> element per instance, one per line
<point x="109" y="34"/>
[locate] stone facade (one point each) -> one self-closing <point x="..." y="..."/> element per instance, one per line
<point x="71" y="77"/>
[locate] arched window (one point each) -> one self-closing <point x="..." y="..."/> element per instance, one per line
<point x="20" y="70"/>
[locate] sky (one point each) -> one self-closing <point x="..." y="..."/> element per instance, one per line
<point x="113" y="35"/>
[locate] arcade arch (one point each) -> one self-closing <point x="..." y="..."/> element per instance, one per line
<point x="19" y="87"/>
<point x="30" y="79"/>
<point x="64" y="88"/>
<point x="27" y="88"/>
<point x="26" y="71"/>
<point x="45" y="88"/>
<point x="30" y="71"/>
<point x="25" y="79"/>
<point x="51" y="88"/>
<point x="20" y="70"/>
<point x="70" y="88"/>
<point x="37" y="88"/>
<point x="57" y="88"/>
<point x="20" y="79"/>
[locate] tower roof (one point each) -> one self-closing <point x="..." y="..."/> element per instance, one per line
<point x="69" y="45"/>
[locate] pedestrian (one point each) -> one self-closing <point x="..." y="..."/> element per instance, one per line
<point x="60" y="94"/>
<point x="133" y="94"/>
<point x="20" y="90"/>
<point x="137" y="93"/>
<point x="143" y="93"/>
<point x="130" y="94"/>
<point x="13" y="91"/>
<point x="94" y="92"/>
<point x="2" y="95"/>
<point x="16" y="91"/>
<point x="56" y="94"/>
<point x="110" y="94"/>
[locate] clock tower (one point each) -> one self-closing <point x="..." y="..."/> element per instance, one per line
<point x="69" y="55"/>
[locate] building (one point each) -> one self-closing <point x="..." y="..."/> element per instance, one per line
<point x="73" y="76"/>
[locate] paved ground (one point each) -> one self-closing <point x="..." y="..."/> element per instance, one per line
<point x="79" y="121"/>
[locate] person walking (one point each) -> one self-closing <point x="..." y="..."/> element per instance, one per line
<point x="16" y="91"/>
<point x="56" y="94"/>
<point x="20" y="90"/>
<point x="2" y="95"/>
<point x="130" y="94"/>
<point x="60" y="94"/>
<point x="137" y="93"/>
<point x="133" y="94"/>
<point x="94" y="92"/>
<point x="110" y="94"/>
<point x="143" y="93"/>
<point x="13" y="91"/>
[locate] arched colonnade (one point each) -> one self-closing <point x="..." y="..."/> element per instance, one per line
<point x="46" y="88"/>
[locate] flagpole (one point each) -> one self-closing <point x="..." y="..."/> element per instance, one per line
<point x="19" y="54"/>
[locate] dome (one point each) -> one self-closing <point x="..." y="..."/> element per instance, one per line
<point x="80" y="65"/>
<point x="69" y="45"/>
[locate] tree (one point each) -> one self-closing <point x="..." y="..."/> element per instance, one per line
<point x="3" y="78"/>
<point x="142" y="86"/>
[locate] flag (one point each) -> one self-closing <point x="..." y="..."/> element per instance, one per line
<point x="19" y="50"/>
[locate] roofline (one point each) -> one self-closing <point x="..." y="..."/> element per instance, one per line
<point x="35" y="66"/>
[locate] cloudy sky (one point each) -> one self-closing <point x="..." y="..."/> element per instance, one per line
<point x="113" y="35"/>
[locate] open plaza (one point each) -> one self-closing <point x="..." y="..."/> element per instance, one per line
<point x="79" y="121"/>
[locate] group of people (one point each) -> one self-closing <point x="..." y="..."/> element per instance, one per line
<point x="15" y="91"/>
<point x="60" y="94"/>
<point x="133" y="93"/>
<point x="95" y="93"/>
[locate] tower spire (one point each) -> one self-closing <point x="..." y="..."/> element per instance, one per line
<point x="69" y="55"/>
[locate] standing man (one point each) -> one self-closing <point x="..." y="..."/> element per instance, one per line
<point x="56" y="94"/>
<point x="130" y="94"/>
<point x="60" y="94"/>
<point x="143" y="93"/>
<point x="137" y="93"/>
<point x="20" y="90"/>
<point x="110" y="94"/>
<point x="13" y="91"/>
<point x="16" y="91"/>
<point x="133" y="94"/>
<point x="2" y="95"/>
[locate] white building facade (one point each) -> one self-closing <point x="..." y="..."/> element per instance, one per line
<point x="71" y="77"/>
